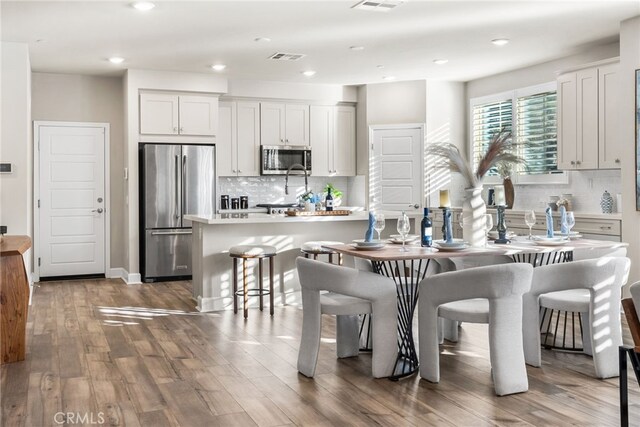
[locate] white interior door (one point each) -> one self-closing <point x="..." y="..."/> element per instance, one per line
<point x="395" y="171"/>
<point x="71" y="216"/>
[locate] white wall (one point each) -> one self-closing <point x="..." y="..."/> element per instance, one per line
<point x="537" y="74"/>
<point x="16" y="189"/>
<point x="629" y="62"/>
<point x="79" y="98"/>
<point x="134" y="81"/>
<point x="396" y="103"/>
<point x="445" y="124"/>
<point x="316" y="93"/>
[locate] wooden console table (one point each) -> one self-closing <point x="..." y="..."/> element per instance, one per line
<point x="14" y="298"/>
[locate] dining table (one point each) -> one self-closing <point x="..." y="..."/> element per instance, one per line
<point x="408" y="265"/>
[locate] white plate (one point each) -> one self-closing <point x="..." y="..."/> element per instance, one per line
<point x="406" y="242"/>
<point x="457" y="243"/>
<point x="494" y="234"/>
<point x="408" y="238"/>
<point x="370" y="248"/>
<point x="362" y="242"/>
<point x="550" y="241"/>
<point x="450" y="248"/>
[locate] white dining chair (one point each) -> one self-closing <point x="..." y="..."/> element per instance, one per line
<point x="351" y="292"/>
<point x="501" y="288"/>
<point x="602" y="279"/>
<point x="566" y="304"/>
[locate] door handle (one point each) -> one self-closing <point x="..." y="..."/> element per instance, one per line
<point x="184" y="179"/>
<point x="99" y="210"/>
<point x="177" y="159"/>
<point x="416" y="206"/>
<point x="170" y="233"/>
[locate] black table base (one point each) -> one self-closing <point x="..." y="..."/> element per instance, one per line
<point x="407" y="274"/>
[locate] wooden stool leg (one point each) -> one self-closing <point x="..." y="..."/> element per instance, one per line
<point x="271" y="285"/>
<point x="260" y="282"/>
<point x="235" y="285"/>
<point x="306" y="255"/>
<point x="315" y="256"/>
<point x="245" y="304"/>
<point x="330" y="258"/>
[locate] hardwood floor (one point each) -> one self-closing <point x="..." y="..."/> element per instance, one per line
<point x="140" y="355"/>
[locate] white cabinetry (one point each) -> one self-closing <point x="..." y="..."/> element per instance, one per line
<point x="587" y="108"/>
<point x="333" y="141"/>
<point x="284" y="124"/>
<point x="238" y="141"/>
<point x="172" y="114"/>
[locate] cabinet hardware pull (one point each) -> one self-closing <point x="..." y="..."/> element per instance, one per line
<point x="617" y="160"/>
<point x="604" y="227"/>
<point x="577" y="162"/>
<point x="239" y="171"/>
<point x="233" y="170"/>
<point x="572" y="162"/>
<point x="175" y="129"/>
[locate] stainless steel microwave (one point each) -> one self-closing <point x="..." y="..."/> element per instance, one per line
<point x="277" y="159"/>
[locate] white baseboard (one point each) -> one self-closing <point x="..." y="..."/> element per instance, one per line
<point x="128" y="278"/>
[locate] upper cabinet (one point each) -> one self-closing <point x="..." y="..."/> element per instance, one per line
<point x="333" y="140"/>
<point x="284" y="124"/>
<point x="238" y="141"/>
<point x="173" y="114"/>
<point x="587" y="108"/>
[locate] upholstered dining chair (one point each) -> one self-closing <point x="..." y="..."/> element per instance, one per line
<point x="351" y="292"/>
<point x="501" y="287"/>
<point x="602" y="278"/>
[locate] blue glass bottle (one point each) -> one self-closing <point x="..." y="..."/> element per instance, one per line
<point x="426" y="230"/>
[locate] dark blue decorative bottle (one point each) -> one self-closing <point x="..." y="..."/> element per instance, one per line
<point x="426" y="230"/>
<point x="328" y="202"/>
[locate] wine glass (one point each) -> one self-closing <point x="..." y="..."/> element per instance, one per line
<point x="530" y="220"/>
<point x="378" y="223"/>
<point x="488" y="225"/>
<point x="569" y="221"/>
<point x="403" y="227"/>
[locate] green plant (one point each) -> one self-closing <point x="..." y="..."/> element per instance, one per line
<point x="307" y="196"/>
<point x="334" y="191"/>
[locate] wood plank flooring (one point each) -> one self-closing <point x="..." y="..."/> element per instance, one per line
<point x="140" y="355"/>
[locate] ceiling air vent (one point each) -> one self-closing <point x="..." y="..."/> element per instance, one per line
<point x="280" y="56"/>
<point x="377" y="6"/>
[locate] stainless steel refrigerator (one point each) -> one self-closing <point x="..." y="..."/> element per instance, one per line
<point x="175" y="180"/>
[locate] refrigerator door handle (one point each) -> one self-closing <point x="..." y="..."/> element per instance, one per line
<point x="177" y="159"/>
<point x="184" y="179"/>
<point x="170" y="233"/>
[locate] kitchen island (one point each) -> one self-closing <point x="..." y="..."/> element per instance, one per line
<point x="214" y="235"/>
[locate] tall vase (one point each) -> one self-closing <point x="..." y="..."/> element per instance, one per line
<point x="509" y="192"/>
<point x="473" y="220"/>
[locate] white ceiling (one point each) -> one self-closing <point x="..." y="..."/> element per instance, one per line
<point x="78" y="37"/>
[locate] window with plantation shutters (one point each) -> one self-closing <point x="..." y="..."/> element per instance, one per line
<point x="530" y="114"/>
<point x="488" y="119"/>
<point x="537" y="133"/>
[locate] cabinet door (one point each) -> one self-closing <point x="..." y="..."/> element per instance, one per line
<point x="198" y="115"/>
<point x="609" y="145"/>
<point x="297" y="125"/>
<point x="344" y="143"/>
<point x="587" y="90"/>
<point x="248" y="131"/>
<point x="567" y="121"/>
<point x="226" y="152"/>
<point x="158" y="114"/>
<point x="321" y="136"/>
<point x="272" y="123"/>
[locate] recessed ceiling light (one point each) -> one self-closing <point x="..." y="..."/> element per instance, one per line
<point x="379" y="67"/>
<point x="218" y="67"/>
<point x="389" y="78"/>
<point x="309" y="73"/>
<point x="143" y="6"/>
<point x="40" y="40"/>
<point x="262" y="39"/>
<point x="440" y="61"/>
<point x="356" y="47"/>
<point x="500" y="42"/>
<point x="116" y="60"/>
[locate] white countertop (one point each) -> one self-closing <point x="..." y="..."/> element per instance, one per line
<point x="257" y="218"/>
<point x="582" y="215"/>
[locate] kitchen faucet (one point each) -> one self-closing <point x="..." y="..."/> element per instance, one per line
<point x="306" y="178"/>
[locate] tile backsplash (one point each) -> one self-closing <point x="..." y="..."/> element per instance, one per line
<point x="585" y="186"/>
<point x="270" y="189"/>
